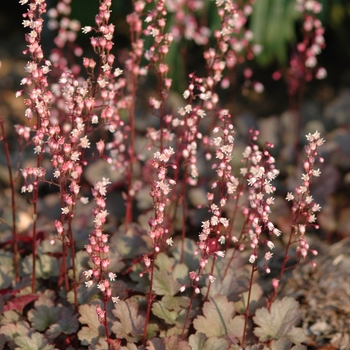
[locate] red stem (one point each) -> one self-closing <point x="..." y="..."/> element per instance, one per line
<point x="150" y="298"/>
<point x="13" y="204"/>
<point x="246" y="314"/>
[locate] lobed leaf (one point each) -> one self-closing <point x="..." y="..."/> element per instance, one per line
<point x="67" y="323"/>
<point x="20" y="302"/>
<point x="131" y="322"/>
<point x="279" y="322"/>
<point x="218" y="319"/>
<point x="199" y="341"/>
<point x="34" y="342"/>
<point x="94" y="330"/>
<point x="164" y="283"/>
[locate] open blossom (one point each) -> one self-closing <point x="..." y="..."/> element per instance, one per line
<point x="88" y="284"/>
<point x="115" y="300"/>
<point x="170" y="241"/>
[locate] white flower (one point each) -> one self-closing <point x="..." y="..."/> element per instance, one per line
<point x="270" y="245"/>
<point x="252" y="181"/>
<point x="270" y="200"/>
<point x="75" y="156"/>
<point x="222" y="239"/>
<point x="201" y="113"/>
<point x="106" y="67"/>
<point x="118" y="72"/>
<point x="268" y="255"/>
<point x="101" y="287"/>
<point x="311" y="218"/>
<point x="84" y="200"/>
<point x="277" y="232"/>
<point x="88" y="284"/>
<point x="316" y="173"/>
<point x="65" y="210"/>
<point x="186" y="94"/>
<point x="37" y="149"/>
<point x="214" y="220"/>
<point x="252" y="258"/>
<point x="112" y="276"/>
<point x="84" y="142"/>
<point x="289" y="196"/>
<point x="220" y="253"/>
<point x="224" y="221"/>
<point x="308" y="199"/>
<point x="88" y="273"/>
<point x="211" y="278"/>
<point x="86" y="29"/>
<point x="316" y="207"/>
<point x="115" y="300"/>
<point x="170" y="241"/>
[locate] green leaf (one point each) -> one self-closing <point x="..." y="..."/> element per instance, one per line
<point x="180" y="273"/>
<point x="171" y="309"/>
<point x="131" y="321"/>
<point x="174" y="343"/>
<point x="67" y="323"/>
<point x="164" y="283"/>
<point x="94" y="330"/>
<point x="279" y="322"/>
<point x="132" y="242"/>
<point x="84" y="294"/>
<point x="155" y="344"/>
<point x="255" y="300"/>
<point x="176" y="303"/>
<point x="199" y="341"/>
<point x="6" y="269"/>
<point x="82" y="260"/>
<point x="129" y="346"/>
<point x="46" y="266"/>
<point x="35" y="342"/>
<point x="190" y="260"/>
<point x="44" y="313"/>
<point x="164" y="262"/>
<point x="13" y="330"/>
<point x="232" y="285"/>
<point x="160" y="310"/>
<point x="218" y="319"/>
<point x="281" y="344"/>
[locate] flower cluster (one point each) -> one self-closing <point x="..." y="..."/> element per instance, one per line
<point x="303" y="64"/>
<point x="259" y="173"/>
<point x="67" y="28"/>
<point x="304" y="208"/>
<point x="159" y="193"/>
<point x="313" y="41"/>
<point x="32" y="176"/>
<point x="36" y="83"/>
<point x="233" y="39"/>
<point x="186" y="21"/>
<point x="98" y="247"/>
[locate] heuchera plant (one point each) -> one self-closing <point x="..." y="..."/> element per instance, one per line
<point x="179" y="268"/>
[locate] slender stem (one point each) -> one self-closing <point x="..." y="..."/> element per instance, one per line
<point x="150" y="298"/>
<point x="34" y="232"/>
<point x="283" y="266"/>
<point x="128" y="215"/>
<point x="72" y="248"/>
<point x="105" y="322"/>
<point x="13" y="203"/>
<point x="246" y="314"/>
